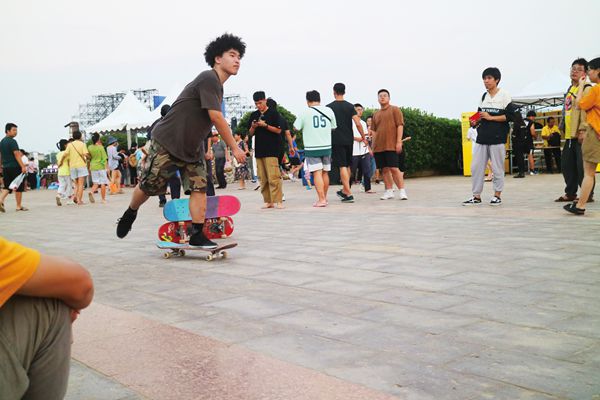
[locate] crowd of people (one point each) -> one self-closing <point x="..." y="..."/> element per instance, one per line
<point x="580" y="123"/>
<point x="43" y="295"/>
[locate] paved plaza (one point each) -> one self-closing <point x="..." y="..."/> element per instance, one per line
<point x="418" y="299"/>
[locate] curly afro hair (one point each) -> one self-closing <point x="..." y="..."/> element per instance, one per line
<point x="222" y="44"/>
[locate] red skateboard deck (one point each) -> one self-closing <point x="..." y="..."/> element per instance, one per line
<point x="178" y="250"/>
<point x="214" y="228"/>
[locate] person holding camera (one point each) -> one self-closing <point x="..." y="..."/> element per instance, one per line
<point x="264" y="125"/>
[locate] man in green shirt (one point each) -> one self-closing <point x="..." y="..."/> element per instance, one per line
<point x="12" y="166"/>
<point x="98" y="168"/>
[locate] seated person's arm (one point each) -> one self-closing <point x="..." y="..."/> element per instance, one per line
<point x="60" y="278"/>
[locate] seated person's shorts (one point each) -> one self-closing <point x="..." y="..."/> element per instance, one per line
<point x="160" y="166"/>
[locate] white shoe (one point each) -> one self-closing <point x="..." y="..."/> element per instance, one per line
<point x="388" y="194"/>
<point x="403" y="195"/>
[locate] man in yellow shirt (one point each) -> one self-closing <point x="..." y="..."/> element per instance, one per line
<point x="40" y="297"/>
<point x="574" y="126"/>
<point x="551" y="136"/>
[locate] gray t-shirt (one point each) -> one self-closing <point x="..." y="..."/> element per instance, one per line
<point x="185" y="127"/>
<point x="219" y="149"/>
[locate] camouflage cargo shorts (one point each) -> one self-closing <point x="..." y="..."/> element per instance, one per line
<point x="160" y="166"/>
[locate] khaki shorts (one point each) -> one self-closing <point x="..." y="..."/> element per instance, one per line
<point x="160" y="166"/>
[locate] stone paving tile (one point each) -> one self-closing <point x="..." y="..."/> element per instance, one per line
<point x="582" y="325"/>
<point x="441" y="276"/>
<point x="429" y="321"/>
<point x="253" y="307"/>
<point x="520" y="296"/>
<point x="322" y="323"/>
<point x="308" y="350"/>
<point x="85" y="383"/>
<point x="537" y="341"/>
<point x="546" y="375"/>
<point x="411" y="343"/>
<point x="519" y="315"/>
<point x="408" y="379"/>
<point x="418" y="298"/>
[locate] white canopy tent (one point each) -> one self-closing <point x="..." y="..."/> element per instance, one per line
<point x="548" y="91"/>
<point x="130" y="115"/>
<point x="169" y="99"/>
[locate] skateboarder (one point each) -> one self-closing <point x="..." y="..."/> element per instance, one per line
<point x="177" y="140"/>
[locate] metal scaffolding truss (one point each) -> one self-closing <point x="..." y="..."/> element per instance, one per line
<point x="236" y="106"/>
<point x="103" y="104"/>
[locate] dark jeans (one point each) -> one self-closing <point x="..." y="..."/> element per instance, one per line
<point x="133" y="176"/>
<point x="548" y="155"/>
<point x="364" y="162"/>
<point x="519" y="157"/>
<point x="32" y="180"/>
<point x="572" y="166"/>
<point x="210" y="186"/>
<point x="220" y="172"/>
<point x="174" y="187"/>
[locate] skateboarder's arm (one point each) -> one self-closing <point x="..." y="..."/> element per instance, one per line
<point x="60" y="278"/>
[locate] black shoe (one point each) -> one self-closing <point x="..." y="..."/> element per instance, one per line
<point x="124" y="223"/>
<point x="199" y="240"/>
<point x="161" y="204"/>
<point x="348" y="199"/>
<point x="519" y="176"/>
<point x="341" y="194"/>
<point x="572" y="208"/>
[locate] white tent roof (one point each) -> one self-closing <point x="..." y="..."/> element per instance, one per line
<point x="169" y="99"/>
<point x="548" y="91"/>
<point x="129" y="114"/>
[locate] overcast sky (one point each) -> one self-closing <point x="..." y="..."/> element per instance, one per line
<point x="429" y="54"/>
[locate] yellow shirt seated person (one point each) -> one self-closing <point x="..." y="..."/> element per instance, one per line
<point x="550" y="129"/>
<point x="40" y="296"/>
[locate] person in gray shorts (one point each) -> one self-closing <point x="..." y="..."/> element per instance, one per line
<point x="316" y="123"/>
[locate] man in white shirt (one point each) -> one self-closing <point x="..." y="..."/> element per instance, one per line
<point x="361" y="153"/>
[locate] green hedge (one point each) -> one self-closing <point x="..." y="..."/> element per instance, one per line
<point x="435" y="146"/>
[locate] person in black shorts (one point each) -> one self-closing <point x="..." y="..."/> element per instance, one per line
<point x="12" y="166"/>
<point x="343" y="139"/>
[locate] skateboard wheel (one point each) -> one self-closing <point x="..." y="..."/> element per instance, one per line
<point x="209" y="257"/>
<point x="181" y="253"/>
<point x="167" y="255"/>
<point x="224" y="254"/>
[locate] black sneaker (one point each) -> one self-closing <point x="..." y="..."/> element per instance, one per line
<point x="519" y="176"/>
<point x="472" y="201"/>
<point x="341" y="194"/>
<point x="573" y="209"/>
<point x="495" y="201"/>
<point x="161" y="204"/>
<point x="199" y="240"/>
<point x="348" y="199"/>
<point x="124" y="223"/>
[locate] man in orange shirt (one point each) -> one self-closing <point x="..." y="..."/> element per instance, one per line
<point x="388" y="128"/>
<point x="40" y="296"/>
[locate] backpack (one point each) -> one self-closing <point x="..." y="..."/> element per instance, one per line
<point x="133" y="161"/>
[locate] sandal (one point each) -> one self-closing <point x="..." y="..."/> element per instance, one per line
<point x="23" y="209"/>
<point x="2" y="208"/>
<point x="318" y="204"/>
<point x="566" y="197"/>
